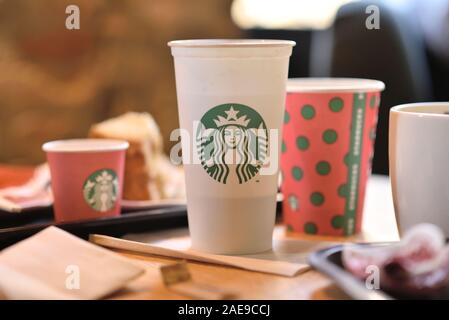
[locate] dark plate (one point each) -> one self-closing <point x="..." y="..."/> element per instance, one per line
<point x="16" y="227"/>
<point x="328" y="261"/>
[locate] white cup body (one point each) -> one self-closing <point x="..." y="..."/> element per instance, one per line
<point x="419" y="160"/>
<point x="238" y="216"/>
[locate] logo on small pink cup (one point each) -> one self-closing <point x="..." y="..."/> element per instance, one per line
<point x="100" y="190"/>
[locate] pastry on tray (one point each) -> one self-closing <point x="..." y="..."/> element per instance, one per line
<point x="149" y="174"/>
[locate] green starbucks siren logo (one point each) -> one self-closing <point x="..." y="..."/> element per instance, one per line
<point x="232" y="141"/>
<point x="100" y="190"/>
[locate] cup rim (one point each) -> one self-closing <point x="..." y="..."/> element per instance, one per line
<point x="329" y="84"/>
<point x="230" y="43"/>
<point x="401" y="109"/>
<point x="85" y="145"/>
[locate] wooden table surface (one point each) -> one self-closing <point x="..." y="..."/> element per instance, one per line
<point x="379" y="225"/>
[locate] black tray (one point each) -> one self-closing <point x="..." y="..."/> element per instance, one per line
<point x="18" y="226"/>
<point x="329" y="262"/>
<point x="142" y="221"/>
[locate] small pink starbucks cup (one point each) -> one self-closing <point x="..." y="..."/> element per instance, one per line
<point x="86" y="177"/>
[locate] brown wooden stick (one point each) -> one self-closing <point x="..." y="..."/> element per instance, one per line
<point x="282" y="268"/>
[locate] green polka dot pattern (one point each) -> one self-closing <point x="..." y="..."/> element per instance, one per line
<point x="308" y="112"/>
<point x="286" y="117"/>
<point x="323" y="168"/>
<point x="297" y="173"/>
<point x="302" y="143"/>
<point x="343" y="190"/>
<point x="329" y="136"/>
<point x="337" y="222"/>
<point x="336" y="104"/>
<point x="317" y="198"/>
<point x="310" y="228"/>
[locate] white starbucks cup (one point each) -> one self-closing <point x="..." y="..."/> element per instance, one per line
<point x="231" y="96"/>
<point x="419" y="160"/>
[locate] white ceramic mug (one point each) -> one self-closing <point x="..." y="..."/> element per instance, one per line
<point x="235" y="91"/>
<point x="419" y="163"/>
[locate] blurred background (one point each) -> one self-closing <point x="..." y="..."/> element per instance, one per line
<point x="55" y="83"/>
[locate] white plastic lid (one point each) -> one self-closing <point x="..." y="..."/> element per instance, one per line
<point x="333" y="85"/>
<point x="203" y="43"/>
<point x="231" y="48"/>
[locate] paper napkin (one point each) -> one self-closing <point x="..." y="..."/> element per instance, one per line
<point x="54" y="264"/>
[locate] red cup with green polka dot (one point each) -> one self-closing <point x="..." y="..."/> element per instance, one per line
<point x="326" y="153"/>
